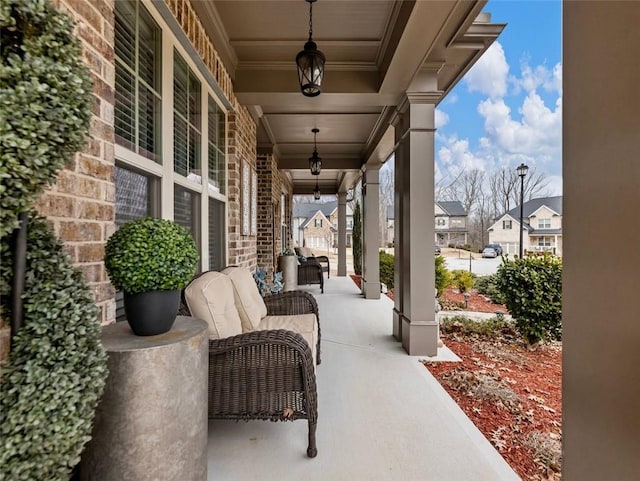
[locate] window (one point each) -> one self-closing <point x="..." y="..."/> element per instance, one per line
<point x="186" y="211"/>
<point x="217" y="229"/>
<point x="216" y="143"/>
<point x="506" y="224"/>
<point x="186" y="120"/>
<point x="138" y="43"/>
<point x="137" y="196"/>
<point x="317" y="222"/>
<point x="441" y="221"/>
<point x="350" y="223"/>
<point x="544" y="223"/>
<point x="544" y="241"/>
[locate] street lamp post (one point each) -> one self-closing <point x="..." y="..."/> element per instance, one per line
<point x="522" y="172"/>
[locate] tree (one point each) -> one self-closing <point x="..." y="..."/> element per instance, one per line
<point x="357" y="240"/>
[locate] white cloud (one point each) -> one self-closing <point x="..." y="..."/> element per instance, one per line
<point x="442" y="118"/>
<point x="455" y="156"/>
<point x="539" y="76"/>
<point x="452" y="98"/>
<point x="489" y="75"/>
<point x="539" y="132"/>
<point x="555" y="185"/>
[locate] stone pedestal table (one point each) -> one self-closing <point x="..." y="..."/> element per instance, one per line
<point x="151" y="423"/>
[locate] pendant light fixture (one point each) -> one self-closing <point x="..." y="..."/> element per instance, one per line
<point x="316" y="191"/>
<point x="315" y="161"/>
<point x="310" y="62"/>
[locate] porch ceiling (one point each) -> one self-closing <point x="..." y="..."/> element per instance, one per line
<point x="375" y="51"/>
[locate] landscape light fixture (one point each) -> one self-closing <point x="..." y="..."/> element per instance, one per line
<point x="310" y="62"/>
<point x="316" y="191"/>
<point x="522" y="172"/>
<point x="315" y="161"/>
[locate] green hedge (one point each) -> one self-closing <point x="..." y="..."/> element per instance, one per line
<point x="57" y="366"/>
<point x="386" y="269"/>
<point x="443" y="275"/>
<point x="45" y="102"/>
<point x="532" y="290"/>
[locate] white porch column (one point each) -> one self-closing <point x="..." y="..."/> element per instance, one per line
<point x="419" y="326"/>
<point x="371" y="234"/>
<point x="342" y="234"/>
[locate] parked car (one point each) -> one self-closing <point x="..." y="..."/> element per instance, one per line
<point x="495" y="247"/>
<point x="437" y="251"/>
<point x="489" y="252"/>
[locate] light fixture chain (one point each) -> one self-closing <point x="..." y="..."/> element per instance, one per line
<point x="310" y="20"/>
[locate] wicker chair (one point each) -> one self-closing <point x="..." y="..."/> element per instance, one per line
<point x="310" y="272"/>
<point x="323" y="260"/>
<point x="265" y="374"/>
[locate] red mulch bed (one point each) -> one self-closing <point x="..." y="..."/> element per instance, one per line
<point x="452" y="299"/>
<point x="511" y="393"/>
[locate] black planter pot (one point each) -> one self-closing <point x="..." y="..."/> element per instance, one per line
<point x="151" y="313"/>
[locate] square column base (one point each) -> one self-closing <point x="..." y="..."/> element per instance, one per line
<point x="371" y="290"/>
<point x="419" y="339"/>
<point x="397" y="324"/>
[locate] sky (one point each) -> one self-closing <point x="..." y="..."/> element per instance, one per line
<point x="508" y="108"/>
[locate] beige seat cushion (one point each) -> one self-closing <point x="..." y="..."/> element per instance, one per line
<point x="303" y="324"/>
<point x="305" y="251"/>
<point x="249" y="302"/>
<point x="210" y="297"/>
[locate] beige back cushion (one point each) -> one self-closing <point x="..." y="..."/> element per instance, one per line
<point x="249" y="302"/>
<point x="305" y="251"/>
<point x="210" y="298"/>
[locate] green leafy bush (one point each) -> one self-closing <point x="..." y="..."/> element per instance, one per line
<point x="150" y="255"/>
<point x="443" y="276"/>
<point x="488" y="286"/>
<point x="463" y="280"/>
<point x="45" y="101"/>
<point x="386" y="269"/>
<point x="57" y="367"/>
<point x="356" y="238"/>
<point x="492" y="327"/>
<point x="532" y="289"/>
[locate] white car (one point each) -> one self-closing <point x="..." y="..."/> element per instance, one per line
<point x="489" y="252"/>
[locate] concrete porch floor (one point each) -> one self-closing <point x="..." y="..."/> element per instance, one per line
<point x="381" y="415"/>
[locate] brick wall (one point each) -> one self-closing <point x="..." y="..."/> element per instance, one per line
<point x="271" y="185"/>
<point x="81" y="204"/>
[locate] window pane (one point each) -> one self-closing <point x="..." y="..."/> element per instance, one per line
<point x="179" y="85"/>
<point x="124" y="108"/>
<point x="194" y="101"/>
<point x="186" y="211"/>
<point x="132" y="196"/>
<point x="134" y="200"/>
<point x="137" y="100"/>
<point x="180" y="158"/>
<point x="217" y="231"/>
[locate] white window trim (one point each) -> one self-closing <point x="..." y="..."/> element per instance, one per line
<point x="167" y="177"/>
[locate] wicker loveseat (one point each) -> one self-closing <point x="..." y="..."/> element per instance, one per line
<point x="264" y="371"/>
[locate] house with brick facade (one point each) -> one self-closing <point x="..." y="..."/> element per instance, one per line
<point x="198" y="118"/>
<point x="315" y="225"/>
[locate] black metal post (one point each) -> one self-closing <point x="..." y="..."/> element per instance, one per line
<point x="521" y="212"/>
<point x="19" y="268"/>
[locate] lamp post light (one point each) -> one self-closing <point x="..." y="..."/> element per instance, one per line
<point x="522" y="172"/>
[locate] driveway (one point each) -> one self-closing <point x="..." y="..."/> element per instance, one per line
<point x="479" y="266"/>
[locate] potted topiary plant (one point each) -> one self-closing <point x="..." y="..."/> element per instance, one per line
<point x="151" y="260"/>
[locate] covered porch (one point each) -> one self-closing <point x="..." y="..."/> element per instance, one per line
<point x="381" y="414"/>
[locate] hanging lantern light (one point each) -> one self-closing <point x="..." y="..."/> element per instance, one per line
<point x="310" y="62"/>
<point x="316" y="191"/>
<point x="315" y="161"/>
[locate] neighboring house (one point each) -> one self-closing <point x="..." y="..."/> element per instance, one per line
<point x="315" y="225"/>
<point x="542" y="219"/>
<point x="450" y="223"/>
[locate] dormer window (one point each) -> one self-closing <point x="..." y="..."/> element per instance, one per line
<point x="544" y="223"/>
<point x="317" y="222"/>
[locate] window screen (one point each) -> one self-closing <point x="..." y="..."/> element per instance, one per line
<point x="216" y="143"/>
